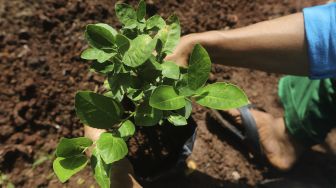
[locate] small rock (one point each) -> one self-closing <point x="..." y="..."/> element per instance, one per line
<point x="212" y="78"/>
<point x="33" y="62"/>
<point x="235" y="175"/>
<point x="232" y="19"/>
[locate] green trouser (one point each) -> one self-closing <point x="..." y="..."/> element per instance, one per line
<point x="310" y="107"/>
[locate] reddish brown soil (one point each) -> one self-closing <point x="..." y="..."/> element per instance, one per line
<point x="40" y="43"/>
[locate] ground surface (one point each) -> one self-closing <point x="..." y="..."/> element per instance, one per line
<point x="40" y="41"/>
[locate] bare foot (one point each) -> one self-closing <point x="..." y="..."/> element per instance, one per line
<point x="280" y="148"/>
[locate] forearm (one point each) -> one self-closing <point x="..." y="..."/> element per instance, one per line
<point x="274" y="46"/>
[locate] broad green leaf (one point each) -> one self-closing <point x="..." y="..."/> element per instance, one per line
<point x="140" y="50"/>
<point x="150" y="71"/>
<point x="221" y="96"/>
<point x="71" y="147"/>
<point x="170" y="70"/>
<point x="155" y="21"/>
<point x="129" y="33"/>
<point x="154" y="63"/>
<point x="165" y="98"/>
<point x="101" y="170"/>
<point x="122" y="82"/>
<point x="170" y="34"/>
<point x="108" y="27"/>
<point x="177" y="120"/>
<point x="123" y="43"/>
<point x="96" y="54"/>
<point x="115" y="82"/>
<point x="141" y="12"/>
<point x="100" y="36"/>
<point x="186" y="91"/>
<point x="199" y="67"/>
<point x="182" y="86"/>
<point x="127" y="129"/>
<point x="111" y="148"/>
<point x="146" y="115"/>
<point x="64" y="168"/>
<point x="186" y="111"/>
<point x="102" y="68"/>
<point x="126" y="14"/>
<point x="97" y="110"/>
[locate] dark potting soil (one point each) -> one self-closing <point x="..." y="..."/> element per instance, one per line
<point x="40" y="43"/>
<point x="155" y="150"/>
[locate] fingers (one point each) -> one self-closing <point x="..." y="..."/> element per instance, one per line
<point x="93" y="134"/>
<point x="182" y="51"/>
<point x="178" y="59"/>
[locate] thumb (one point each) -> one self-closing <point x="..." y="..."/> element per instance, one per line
<point x="180" y="61"/>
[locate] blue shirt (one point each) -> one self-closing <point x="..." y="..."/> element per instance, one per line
<point x="320" y="28"/>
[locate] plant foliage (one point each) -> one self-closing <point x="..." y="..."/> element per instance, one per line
<point x="133" y="61"/>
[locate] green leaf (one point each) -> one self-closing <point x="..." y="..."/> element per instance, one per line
<point x="150" y="71"/>
<point x="102" y="68"/>
<point x="140" y="50"/>
<point x="100" y="36"/>
<point x="155" y="22"/>
<point x="199" y="67"/>
<point x="170" y="34"/>
<point x="126" y="14"/>
<point x="186" y="111"/>
<point x="177" y="120"/>
<point x="115" y="82"/>
<point x="108" y="27"/>
<point x="111" y="148"/>
<point x="165" y="98"/>
<point x="154" y="63"/>
<point x="71" y="147"/>
<point x="141" y="12"/>
<point x="123" y="43"/>
<point x="96" y="54"/>
<point x="170" y="70"/>
<point x="127" y="129"/>
<point x="101" y="170"/>
<point x="97" y="110"/>
<point x="123" y="82"/>
<point x="182" y="86"/>
<point x="129" y="33"/>
<point x="64" y="168"/>
<point x="146" y="115"/>
<point x="221" y="96"/>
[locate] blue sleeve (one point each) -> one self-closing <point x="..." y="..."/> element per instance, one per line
<point x="320" y="28"/>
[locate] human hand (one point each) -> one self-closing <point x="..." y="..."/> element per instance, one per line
<point x="183" y="50"/>
<point x="122" y="172"/>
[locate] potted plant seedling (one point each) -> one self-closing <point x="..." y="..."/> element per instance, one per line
<point x="133" y="61"/>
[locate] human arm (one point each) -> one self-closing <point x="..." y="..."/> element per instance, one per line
<point x="277" y="46"/>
